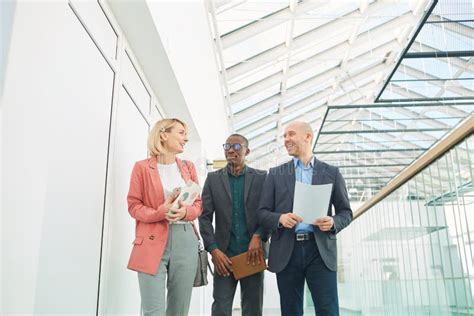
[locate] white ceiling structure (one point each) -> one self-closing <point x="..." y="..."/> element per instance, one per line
<point x="329" y="62"/>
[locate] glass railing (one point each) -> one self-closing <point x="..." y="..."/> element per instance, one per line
<point x="412" y="253"/>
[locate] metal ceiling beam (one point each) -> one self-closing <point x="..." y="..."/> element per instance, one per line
<point x="257" y="108"/>
<point x="412" y="72"/>
<point x="269" y="135"/>
<point x="272" y="131"/>
<point x="316" y="98"/>
<point x="407" y="48"/>
<point x="368" y="45"/>
<point x="432" y="122"/>
<point x="458" y="62"/>
<point x="374" y="166"/>
<point x="348" y="113"/>
<point x="259" y="26"/>
<point x="323" y="92"/>
<point x="405" y="92"/>
<point x="220" y="62"/>
<point x="256" y="155"/>
<point x="286" y="67"/>
<point x="387" y="142"/>
<point x="368" y="177"/>
<point x="260" y="153"/>
<point x="370" y="151"/>
<point x="321" y="34"/>
<point x="366" y="185"/>
<point x="380" y="131"/>
<point x="456" y="112"/>
<point x="291" y="92"/>
<point x="224" y="5"/>
<point x="458" y="73"/>
<point x="457" y="28"/>
<point x="407" y="144"/>
<point x="342" y="159"/>
<point x="296" y="107"/>
<point x="420" y="100"/>
<point x="396" y="105"/>
<point x="435" y="79"/>
<point x="338" y="125"/>
<point x="440" y="54"/>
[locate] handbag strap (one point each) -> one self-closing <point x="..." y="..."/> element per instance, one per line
<point x="200" y="241"/>
<point x="197" y="234"/>
<point x="201" y="247"/>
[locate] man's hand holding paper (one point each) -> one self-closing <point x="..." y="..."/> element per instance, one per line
<point x="289" y="220"/>
<point x="324" y="223"/>
<point x="311" y="204"/>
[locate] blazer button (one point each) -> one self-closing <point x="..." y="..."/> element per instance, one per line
<point x="151" y="237"/>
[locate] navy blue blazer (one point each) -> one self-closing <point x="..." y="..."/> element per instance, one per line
<point x="277" y="198"/>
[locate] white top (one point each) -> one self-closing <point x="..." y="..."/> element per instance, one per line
<point x="170" y="178"/>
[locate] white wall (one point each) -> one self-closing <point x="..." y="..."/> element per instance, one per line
<point x="55" y="134"/>
<point x="184" y="29"/>
<point x="7" y="11"/>
<point x="70" y="91"/>
<point x="119" y="288"/>
<point x="75" y="116"/>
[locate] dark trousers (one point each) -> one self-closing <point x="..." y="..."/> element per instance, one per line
<point x="251" y="293"/>
<point x="306" y="264"/>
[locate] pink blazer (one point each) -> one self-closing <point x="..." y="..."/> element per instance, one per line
<point x="145" y="204"/>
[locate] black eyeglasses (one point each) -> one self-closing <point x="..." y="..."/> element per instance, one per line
<point x="236" y="146"/>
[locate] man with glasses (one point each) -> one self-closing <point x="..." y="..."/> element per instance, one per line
<point x="232" y="194"/>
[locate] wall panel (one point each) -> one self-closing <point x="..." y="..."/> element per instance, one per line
<point x="56" y="116"/>
<point x="119" y="286"/>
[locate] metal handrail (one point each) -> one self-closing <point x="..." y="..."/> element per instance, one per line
<point x="464" y="129"/>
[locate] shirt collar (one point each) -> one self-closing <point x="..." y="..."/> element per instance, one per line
<point x="229" y="171"/>
<point x="299" y="163"/>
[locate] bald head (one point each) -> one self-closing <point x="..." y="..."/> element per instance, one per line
<point x="303" y="127"/>
<point x="298" y="138"/>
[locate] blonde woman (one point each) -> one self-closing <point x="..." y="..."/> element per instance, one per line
<point x="165" y="250"/>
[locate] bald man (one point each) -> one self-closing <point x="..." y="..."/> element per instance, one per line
<point x="299" y="251"/>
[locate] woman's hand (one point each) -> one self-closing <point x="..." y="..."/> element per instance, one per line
<point x="170" y="199"/>
<point x="176" y="214"/>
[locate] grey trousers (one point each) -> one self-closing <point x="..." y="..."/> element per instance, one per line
<point x="177" y="271"/>
<point x="251" y="293"/>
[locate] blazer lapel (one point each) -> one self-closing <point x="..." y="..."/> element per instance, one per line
<point x="317" y="172"/>
<point x="155" y="178"/>
<point x="290" y="178"/>
<point x="248" y="183"/>
<point x="225" y="181"/>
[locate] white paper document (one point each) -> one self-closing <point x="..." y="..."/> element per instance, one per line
<point x="311" y="201"/>
<point x="188" y="194"/>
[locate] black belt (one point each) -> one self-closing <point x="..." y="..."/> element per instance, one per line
<point x="305" y="236"/>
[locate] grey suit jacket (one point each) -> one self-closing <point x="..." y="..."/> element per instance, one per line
<point x="217" y="199"/>
<point x="277" y="198"/>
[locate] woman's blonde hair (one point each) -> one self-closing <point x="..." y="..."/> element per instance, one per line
<point x="155" y="143"/>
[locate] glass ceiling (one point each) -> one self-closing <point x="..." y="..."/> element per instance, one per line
<point x="438" y="64"/>
<point x="372" y="143"/>
<point x="354" y="70"/>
